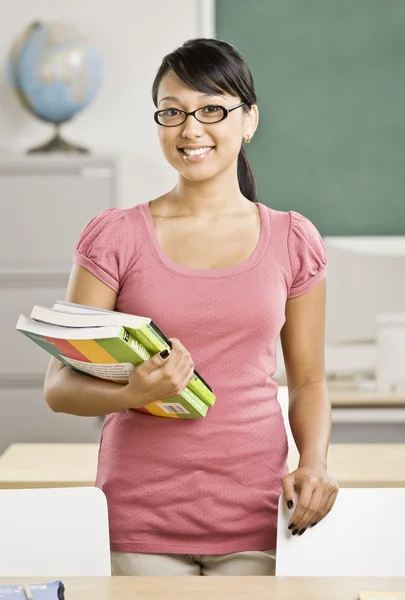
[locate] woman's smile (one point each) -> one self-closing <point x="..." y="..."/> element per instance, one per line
<point x="195" y="153"/>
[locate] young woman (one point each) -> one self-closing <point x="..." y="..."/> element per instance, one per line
<point x="223" y="275"/>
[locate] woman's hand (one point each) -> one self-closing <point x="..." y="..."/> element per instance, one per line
<point x="158" y="378"/>
<point x="316" y="493"/>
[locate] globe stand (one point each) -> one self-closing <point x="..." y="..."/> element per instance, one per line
<point x="58" y="144"/>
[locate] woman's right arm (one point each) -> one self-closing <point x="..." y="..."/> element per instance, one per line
<point x="71" y="392"/>
<point x="67" y="390"/>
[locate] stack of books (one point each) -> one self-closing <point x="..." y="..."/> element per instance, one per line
<point x="108" y="345"/>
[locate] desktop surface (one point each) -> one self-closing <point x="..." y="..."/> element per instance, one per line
<point x="70" y="465"/>
<point x="218" y="588"/>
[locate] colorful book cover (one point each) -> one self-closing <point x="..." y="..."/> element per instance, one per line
<point x="154" y="342"/>
<point x="108" y="353"/>
<point x="146" y="332"/>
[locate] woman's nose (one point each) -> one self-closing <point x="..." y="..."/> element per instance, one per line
<point x="192" y="128"/>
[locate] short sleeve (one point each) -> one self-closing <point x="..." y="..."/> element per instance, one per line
<point x="307" y="253"/>
<point x="103" y="247"/>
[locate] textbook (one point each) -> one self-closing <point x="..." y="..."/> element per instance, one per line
<point x="143" y="329"/>
<point x="37" y="591"/>
<point x="109" y="353"/>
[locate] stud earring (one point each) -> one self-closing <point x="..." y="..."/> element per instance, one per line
<point x="247" y="139"/>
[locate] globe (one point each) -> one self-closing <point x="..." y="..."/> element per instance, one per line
<point x="56" y="73"/>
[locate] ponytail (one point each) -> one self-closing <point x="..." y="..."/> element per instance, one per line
<point x="246" y="178"/>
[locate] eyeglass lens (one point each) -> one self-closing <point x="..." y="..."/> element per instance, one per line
<point x="207" y="114"/>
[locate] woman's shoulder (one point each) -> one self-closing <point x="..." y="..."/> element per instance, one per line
<point x="114" y="215"/>
<point x="110" y="222"/>
<point x="109" y="243"/>
<point x="293" y="223"/>
<point x="305" y="250"/>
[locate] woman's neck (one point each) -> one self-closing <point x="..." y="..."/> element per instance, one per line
<point x="206" y="198"/>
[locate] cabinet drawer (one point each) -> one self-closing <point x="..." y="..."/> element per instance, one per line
<point x="45" y="207"/>
<point x="26" y="417"/>
<point x="19" y="355"/>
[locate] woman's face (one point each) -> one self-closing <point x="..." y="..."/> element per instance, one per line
<point x="218" y="144"/>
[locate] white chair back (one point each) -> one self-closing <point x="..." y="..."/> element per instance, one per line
<point x="362" y="536"/>
<point x="57" y="532"/>
<point x="283" y="400"/>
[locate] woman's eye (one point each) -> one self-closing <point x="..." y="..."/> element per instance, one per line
<point x="170" y="112"/>
<point x="211" y="109"/>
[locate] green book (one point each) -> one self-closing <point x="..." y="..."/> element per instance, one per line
<point x="108" y="353"/>
<point x="68" y="314"/>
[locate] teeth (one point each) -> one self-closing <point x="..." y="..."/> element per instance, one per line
<point x="196" y="152"/>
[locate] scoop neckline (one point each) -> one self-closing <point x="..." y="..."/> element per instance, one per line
<point x="171" y="265"/>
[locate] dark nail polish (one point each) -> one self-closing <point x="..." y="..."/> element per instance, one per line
<point x="313" y="524"/>
<point x="164" y="353"/>
<point x="301" y="531"/>
<point x="292" y="526"/>
<point x="290" y="504"/>
<point x="295" y="532"/>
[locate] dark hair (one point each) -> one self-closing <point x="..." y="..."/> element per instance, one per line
<point x="214" y="67"/>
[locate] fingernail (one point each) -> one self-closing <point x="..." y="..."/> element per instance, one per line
<point x="165" y="353"/>
<point x="292" y="526"/>
<point x="301" y="531"/>
<point x="295" y="532"/>
<point x="313" y="524"/>
<point x="290" y="504"/>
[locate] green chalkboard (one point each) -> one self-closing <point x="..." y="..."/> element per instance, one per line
<point x="330" y="78"/>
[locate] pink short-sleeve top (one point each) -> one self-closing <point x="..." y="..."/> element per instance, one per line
<point x="202" y="486"/>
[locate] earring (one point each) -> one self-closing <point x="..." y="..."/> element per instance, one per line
<point x="247" y="139"/>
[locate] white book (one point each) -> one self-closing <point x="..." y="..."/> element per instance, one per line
<point x="86" y="318"/>
<point x="61" y="332"/>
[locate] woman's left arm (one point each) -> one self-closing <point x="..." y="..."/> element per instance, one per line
<point x="309" y="488"/>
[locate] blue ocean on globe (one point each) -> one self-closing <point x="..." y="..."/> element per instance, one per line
<point x="55" y="71"/>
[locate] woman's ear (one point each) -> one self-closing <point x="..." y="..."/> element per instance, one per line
<point x="251" y="121"/>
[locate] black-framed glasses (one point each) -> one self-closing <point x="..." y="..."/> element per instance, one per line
<point x="171" y="117"/>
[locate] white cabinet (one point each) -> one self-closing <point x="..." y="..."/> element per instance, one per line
<point x="44" y="204"/>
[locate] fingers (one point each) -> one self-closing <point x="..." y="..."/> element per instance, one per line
<point x="289" y="491"/>
<point x="179" y="356"/>
<point x="303" y="509"/>
<point x="316" y="499"/>
<point x="171" y="373"/>
<point x="307" y="508"/>
<point x="327" y="503"/>
<point x="189" y="376"/>
<point x="182" y="375"/>
<point x="161" y="358"/>
<point x="155" y="362"/>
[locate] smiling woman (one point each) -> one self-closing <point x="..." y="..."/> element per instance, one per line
<point x="188" y="91"/>
<point x="172" y="117"/>
<point x="226" y="275"/>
